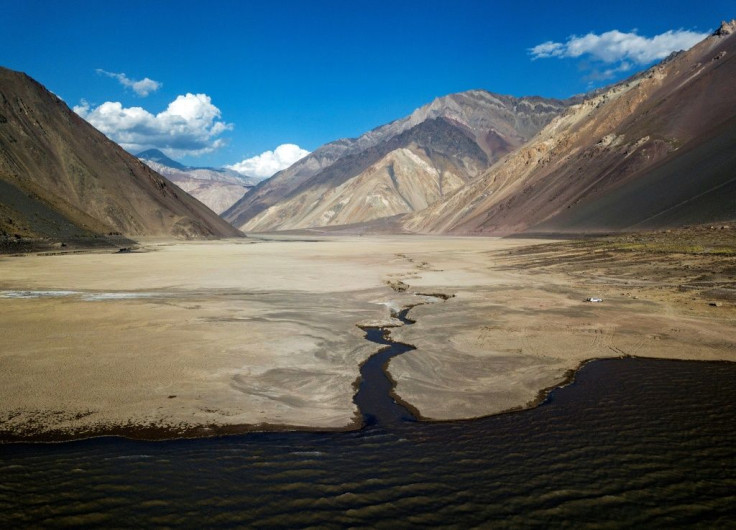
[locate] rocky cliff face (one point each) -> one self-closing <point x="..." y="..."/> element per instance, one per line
<point x="218" y="189"/>
<point x="60" y="177"/>
<point x="430" y="152"/>
<point x="654" y="150"/>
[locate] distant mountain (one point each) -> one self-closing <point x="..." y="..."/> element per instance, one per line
<point x="61" y="178"/>
<point x="154" y="155"/>
<point x="656" y="150"/>
<point x="219" y="189"/>
<point x="397" y="168"/>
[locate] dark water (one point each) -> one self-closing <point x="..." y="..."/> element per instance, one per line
<point x="373" y="397"/>
<point x="633" y="442"/>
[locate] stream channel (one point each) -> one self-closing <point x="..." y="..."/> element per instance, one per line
<point x="375" y="398"/>
<point x="630" y="443"/>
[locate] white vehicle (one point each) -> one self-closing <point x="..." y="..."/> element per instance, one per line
<point x="593" y="299"/>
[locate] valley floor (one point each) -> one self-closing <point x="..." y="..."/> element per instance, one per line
<point x="197" y="338"/>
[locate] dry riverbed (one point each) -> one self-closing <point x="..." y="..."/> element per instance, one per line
<point x="205" y="337"/>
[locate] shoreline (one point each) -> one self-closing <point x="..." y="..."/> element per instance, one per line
<point x="133" y="433"/>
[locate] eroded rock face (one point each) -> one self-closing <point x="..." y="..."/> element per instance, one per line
<point x="63" y="178"/>
<point x="397" y="168"/>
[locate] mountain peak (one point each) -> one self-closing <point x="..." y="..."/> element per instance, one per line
<point x="398" y="167"/>
<point x="159" y="157"/>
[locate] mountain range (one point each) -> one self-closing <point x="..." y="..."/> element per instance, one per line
<point x="651" y="151"/>
<point x="655" y="150"/>
<point x="397" y="168"/>
<point x="217" y="188"/>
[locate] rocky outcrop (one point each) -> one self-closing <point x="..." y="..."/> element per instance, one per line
<point x="726" y="28"/>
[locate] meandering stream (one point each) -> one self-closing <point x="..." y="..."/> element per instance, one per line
<point x="374" y="397"/>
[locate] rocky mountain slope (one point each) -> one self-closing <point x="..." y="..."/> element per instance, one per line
<point x="219" y="189"/>
<point x="61" y="178"/>
<point x="397" y="168"/>
<point x="653" y="151"/>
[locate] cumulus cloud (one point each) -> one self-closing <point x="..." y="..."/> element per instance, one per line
<point x="270" y="162"/>
<point x="611" y="47"/>
<point x="143" y="87"/>
<point x="189" y="126"/>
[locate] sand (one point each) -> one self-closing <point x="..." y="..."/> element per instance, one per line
<point x="198" y="338"/>
<point x="495" y="345"/>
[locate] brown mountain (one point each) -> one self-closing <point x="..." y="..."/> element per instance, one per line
<point x="397" y="168"/>
<point x="60" y="178"/>
<point x="656" y="150"/>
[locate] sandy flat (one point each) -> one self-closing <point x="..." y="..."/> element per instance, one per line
<point x="202" y="336"/>
<point x="518" y="323"/>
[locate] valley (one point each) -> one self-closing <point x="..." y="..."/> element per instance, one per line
<point x="290" y="273"/>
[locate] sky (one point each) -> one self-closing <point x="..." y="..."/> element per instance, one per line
<point x="256" y="85"/>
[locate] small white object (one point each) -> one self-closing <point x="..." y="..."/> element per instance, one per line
<point x="593" y="299"/>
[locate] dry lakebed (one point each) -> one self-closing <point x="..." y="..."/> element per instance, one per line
<point x="200" y="338"/>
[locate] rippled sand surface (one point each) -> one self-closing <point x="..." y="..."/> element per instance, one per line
<point x="632" y="443"/>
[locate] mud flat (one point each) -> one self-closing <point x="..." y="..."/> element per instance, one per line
<point x="197" y="338"/>
<point x="518" y="324"/>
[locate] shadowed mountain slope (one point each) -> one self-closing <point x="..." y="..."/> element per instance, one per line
<point x="397" y="168"/>
<point x="61" y="178"/>
<point x="656" y="150"/>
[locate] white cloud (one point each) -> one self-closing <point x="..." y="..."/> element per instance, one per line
<point x="547" y="49"/>
<point x="266" y="164"/>
<point x="143" y="87"/>
<point x="615" y="46"/>
<point x="597" y="74"/>
<point x="189" y="126"/>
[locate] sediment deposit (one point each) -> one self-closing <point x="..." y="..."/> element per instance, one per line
<point x="204" y="337"/>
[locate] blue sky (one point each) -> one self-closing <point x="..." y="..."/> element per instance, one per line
<point x="262" y="74"/>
